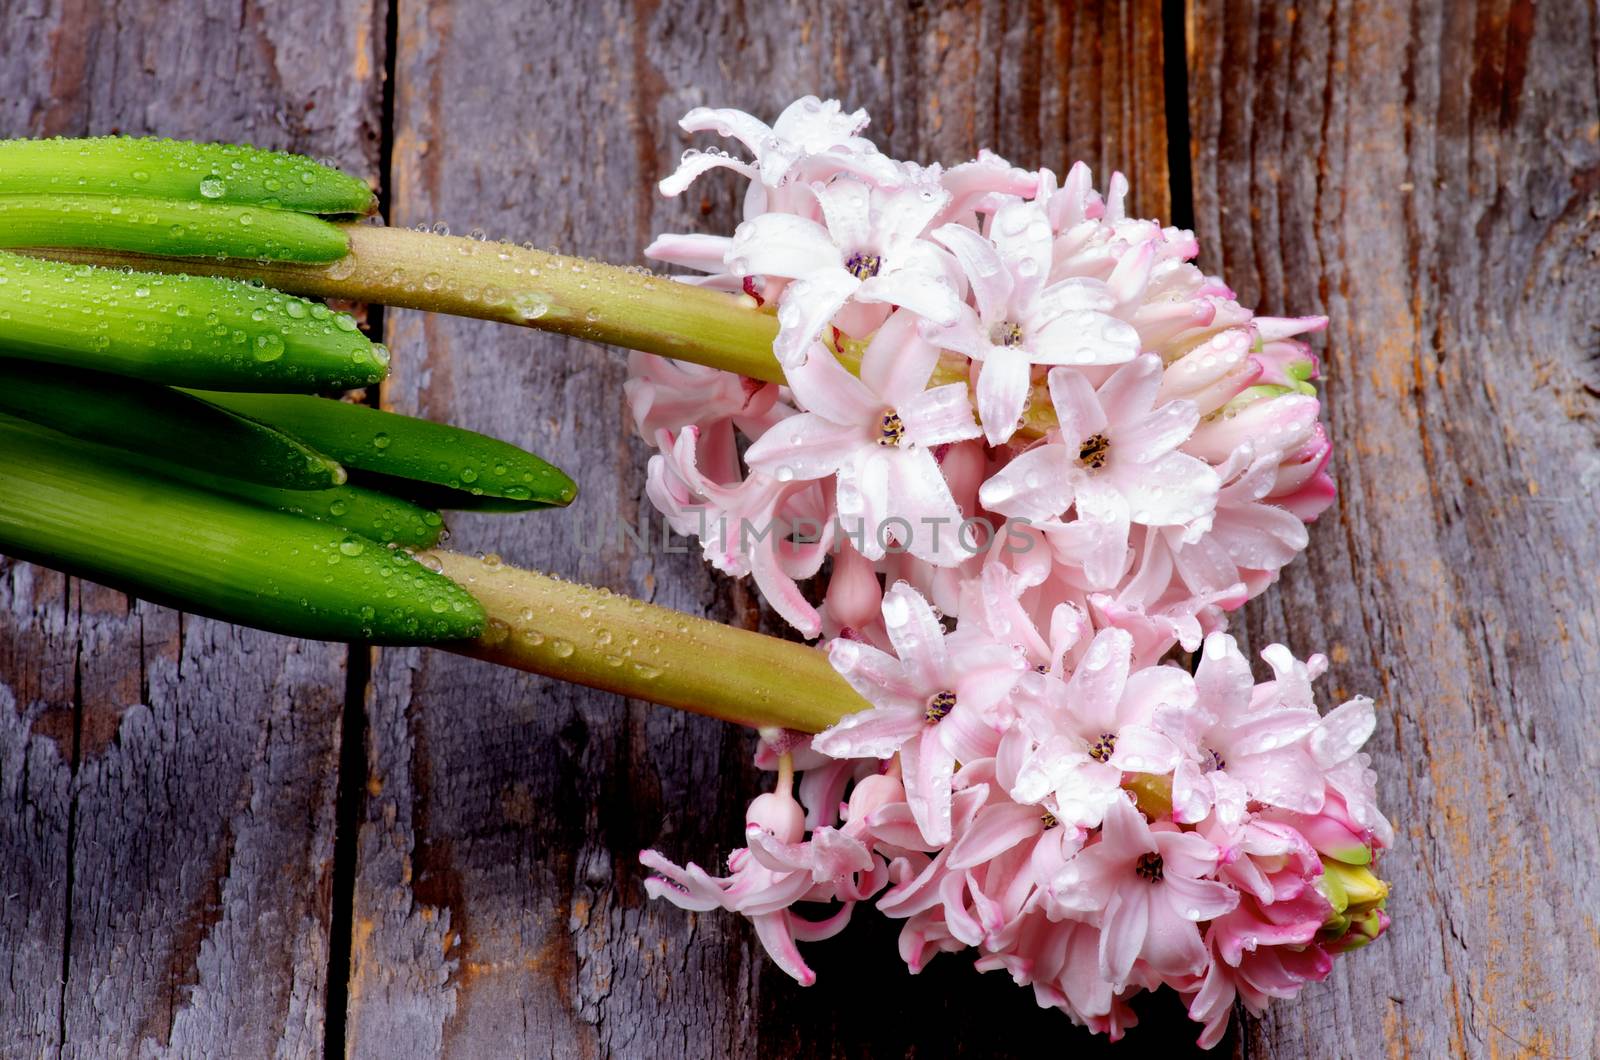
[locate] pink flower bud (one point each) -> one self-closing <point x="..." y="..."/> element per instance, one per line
<point x="853" y="595"/>
<point x="778" y="815"/>
<point x="1281" y="421"/>
<point x="1288" y="364"/>
<point x="874" y="793"/>
<point x="965" y="467"/>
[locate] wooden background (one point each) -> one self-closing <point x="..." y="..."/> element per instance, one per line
<point x="215" y="842"/>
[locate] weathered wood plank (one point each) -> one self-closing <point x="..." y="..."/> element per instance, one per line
<point x="166" y="783"/>
<point x="499" y="906"/>
<point x="1428" y="175"/>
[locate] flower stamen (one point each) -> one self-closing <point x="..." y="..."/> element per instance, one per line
<point x="1102" y="748"/>
<point x="1006" y="333"/>
<point x="939" y="705"/>
<point x="863" y="266"/>
<point x="1148" y="867"/>
<point x="891" y="429"/>
<point x="1093" y="452"/>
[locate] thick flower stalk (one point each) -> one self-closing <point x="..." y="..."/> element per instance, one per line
<point x="1044" y="452"/>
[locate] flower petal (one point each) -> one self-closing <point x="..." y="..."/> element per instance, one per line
<point x="823" y="386"/>
<point x="991" y="280"/>
<point x="1123" y="929"/>
<point x="862" y="496"/>
<point x="1200" y="899"/>
<point x="694" y="164"/>
<point x="1158" y="433"/>
<point x="1342" y="732"/>
<point x="693" y="250"/>
<point x="1172" y="945"/>
<point x="919" y="494"/>
<point x="1096" y="686"/>
<point x="881" y="679"/>
<point x="847" y="210"/>
<point x="938" y="415"/>
<point x="1084" y="339"/>
<point x="917" y="636"/>
<point x="747" y="129"/>
<point x="898" y="360"/>
<point x="1102" y="526"/>
<point x="1174" y="490"/>
<point x="1034" y="486"/>
<point x="923" y="293"/>
<point x="1124" y="835"/>
<point x="1186" y="853"/>
<point x="1077" y="406"/>
<point x="1130" y="393"/>
<point x="779" y="244"/>
<point x="773" y="931"/>
<point x="806" y="446"/>
<point x="1021" y="233"/>
<point x="876" y="733"/>
<point x="1003" y="383"/>
<point x="995" y="830"/>
<point x="928" y="769"/>
<point x="805" y="308"/>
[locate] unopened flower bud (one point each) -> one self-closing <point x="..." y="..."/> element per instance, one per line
<point x="1270" y="417"/>
<point x="1288" y="364"/>
<point x="854" y="595"/>
<point x="779" y="815"/>
<point x="1357" y="897"/>
<point x="1333" y="840"/>
<point x="873" y="793"/>
<point x="1357" y="883"/>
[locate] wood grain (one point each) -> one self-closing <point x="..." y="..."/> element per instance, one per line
<point x="1428" y="175"/>
<point x="166" y="783"/>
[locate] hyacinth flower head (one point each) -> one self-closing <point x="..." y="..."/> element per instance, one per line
<point x="1048" y="456"/>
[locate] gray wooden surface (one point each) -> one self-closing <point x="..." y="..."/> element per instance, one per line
<point x="220" y="843"/>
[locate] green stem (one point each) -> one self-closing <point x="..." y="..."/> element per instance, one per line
<point x="514" y="285"/>
<point x="596" y="638"/>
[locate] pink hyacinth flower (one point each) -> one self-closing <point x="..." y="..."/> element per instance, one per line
<point x="868" y="249"/>
<point x="877" y="434"/>
<point x="931" y="702"/>
<point x="1115" y="460"/>
<point x="1020" y="322"/>
<point x="1147" y="888"/>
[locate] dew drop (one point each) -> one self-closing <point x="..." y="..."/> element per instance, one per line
<point x="529" y="306"/>
<point x="268" y="347"/>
